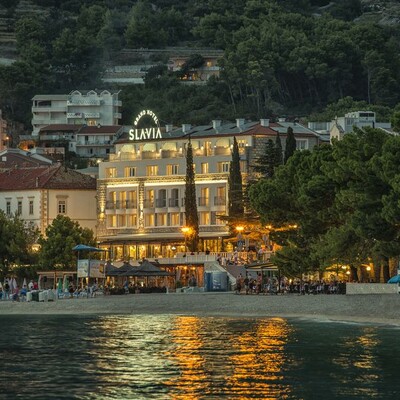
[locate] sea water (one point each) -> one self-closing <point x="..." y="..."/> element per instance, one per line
<point x="188" y="357"/>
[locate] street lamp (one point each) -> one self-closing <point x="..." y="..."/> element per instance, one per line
<point x="240" y="240"/>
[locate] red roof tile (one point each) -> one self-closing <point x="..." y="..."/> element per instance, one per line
<point x="53" y="177"/>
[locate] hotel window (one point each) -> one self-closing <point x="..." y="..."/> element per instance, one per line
<point x="204" y="218"/>
<point x="223" y="166"/>
<point x="175" y="219"/>
<point x="121" y="221"/>
<point x="19" y="207"/>
<point x="301" y="144"/>
<point x="162" y="219"/>
<point x="243" y="166"/>
<point x="172" y="169"/>
<point x="131" y="220"/>
<point x="112" y="221"/>
<point x="62" y="207"/>
<point x="149" y="220"/>
<point x="111" y="172"/>
<point x="241" y="143"/>
<point x="8" y="207"/>
<point x="130" y="171"/>
<point x="30" y="207"/>
<point x="204" y="168"/>
<point x="152" y="170"/>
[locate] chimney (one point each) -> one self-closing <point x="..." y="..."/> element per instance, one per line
<point x="239" y="122"/>
<point x="168" y="127"/>
<point x="216" y="123"/>
<point x="37" y="181"/>
<point x="186" y="128"/>
<point x="264" y="122"/>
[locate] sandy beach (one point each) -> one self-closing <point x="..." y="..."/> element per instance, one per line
<point x="379" y="309"/>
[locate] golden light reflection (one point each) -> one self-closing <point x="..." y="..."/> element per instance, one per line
<point x="250" y="362"/>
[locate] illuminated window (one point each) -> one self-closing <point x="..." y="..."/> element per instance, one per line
<point x="241" y="143"/>
<point x="62" y="207"/>
<point x="175" y="219"/>
<point x="149" y="220"/>
<point x="131" y="220"/>
<point x="172" y="169"/>
<point x="162" y="219"/>
<point x="130" y="171"/>
<point x="204" y="218"/>
<point x="111" y="172"/>
<point x="204" y="168"/>
<point x="243" y="165"/>
<point x="223" y="166"/>
<point x="152" y="170"/>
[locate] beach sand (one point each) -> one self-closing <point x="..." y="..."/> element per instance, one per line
<point x="375" y="309"/>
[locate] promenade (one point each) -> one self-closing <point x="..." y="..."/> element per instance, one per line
<point x="384" y="309"/>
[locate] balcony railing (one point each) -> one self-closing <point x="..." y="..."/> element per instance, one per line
<point x="111" y="205"/>
<point x="120" y="204"/>
<point x="174" y="202"/>
<point x="161" y="203"/>
<point x="219" y="201"/>
<point x="131" y="204"/>
<point x="203" y="201"/>
<point x="148" y="203"/>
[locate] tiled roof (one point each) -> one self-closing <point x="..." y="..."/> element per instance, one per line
<point x="11" y="159"/>
<point x="103" y="129"/>
<point x="60" y="127"/>
<point x="52" y="177"/>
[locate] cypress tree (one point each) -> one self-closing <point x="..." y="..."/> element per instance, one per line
<point x="192" y="219"/>
<point x="236" y="206"/>
<point x="278" y="149"/>
<point x="290" y="144"/>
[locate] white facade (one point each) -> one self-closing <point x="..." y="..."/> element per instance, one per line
<point x="91" y="108"/>
<point x="40" y="207"/>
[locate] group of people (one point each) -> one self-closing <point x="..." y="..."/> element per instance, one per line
<point x="10" y="290"/>
<point x="262" y="285"/>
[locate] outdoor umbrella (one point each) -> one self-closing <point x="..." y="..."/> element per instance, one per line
<point x="394" y="279"/>
<point x="126" y="270"/>
<point x="81" y="247"/>
<point x="65" y="284"/>
<point x="111" y="270"/>
<point x="146" y="268"/>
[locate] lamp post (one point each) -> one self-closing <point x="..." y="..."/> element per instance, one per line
<point x="240" y="240"/>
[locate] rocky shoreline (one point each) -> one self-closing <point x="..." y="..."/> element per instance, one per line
<point x="375" y="309"/>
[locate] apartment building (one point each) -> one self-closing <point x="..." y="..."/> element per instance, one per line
<point x="89" y="108"/>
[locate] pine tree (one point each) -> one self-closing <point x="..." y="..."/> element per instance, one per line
<point x="278" y="149"/>
<point x="290" y="144"/>
<point x="192" y="219"/>
<point x="236" y="207"/>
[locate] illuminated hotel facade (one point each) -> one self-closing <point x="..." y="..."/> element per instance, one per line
<point x="141" y="188"/>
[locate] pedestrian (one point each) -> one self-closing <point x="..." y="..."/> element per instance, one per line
<point x="246" y="283"/>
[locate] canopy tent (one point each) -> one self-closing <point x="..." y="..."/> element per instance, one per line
<point x="110" y="269"/>
<point x="146" y="268"/>
<point x="82" y="247"/>
<point x="125" y="270"/>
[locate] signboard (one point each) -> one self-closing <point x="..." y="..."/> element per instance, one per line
<point x="96" y="270"/>
<point x="83" y="268"/>
<point x="145" y="133"/>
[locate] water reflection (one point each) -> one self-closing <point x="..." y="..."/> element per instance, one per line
<point x="170" y="357"/>
<point x="212" y="361"/>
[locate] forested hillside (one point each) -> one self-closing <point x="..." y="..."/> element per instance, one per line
<point x="287" y="57"/>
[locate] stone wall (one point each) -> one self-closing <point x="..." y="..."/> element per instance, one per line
<point x="372" y="288"/>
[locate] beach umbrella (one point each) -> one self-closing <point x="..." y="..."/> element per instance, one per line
<point x="10" y="283"/>
<point x="60" y="286"/>
<point x="14" y="281"/>
<point x="394" y="279"/>
<point x="24" y="283"/>
<point x="65" y="284"/>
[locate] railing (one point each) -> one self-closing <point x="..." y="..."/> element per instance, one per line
<point x="148" y="203"/>
<point x="219" y="201"/>
<point x="110" y="205"/>
<point x="131" y="204"/>
<point x="174" y="202"/>
<point x="203" y="201"/>
<point x="161" y="203"/>
<point x="120" y="204"/>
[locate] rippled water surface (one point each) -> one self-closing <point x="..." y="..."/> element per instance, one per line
<point x="178" y="357"/>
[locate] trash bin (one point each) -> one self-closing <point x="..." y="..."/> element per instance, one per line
<point x="35" y="296"/>
<point x="29" y="296"/>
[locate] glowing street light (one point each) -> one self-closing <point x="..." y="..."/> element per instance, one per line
<point x="186" y="230"/>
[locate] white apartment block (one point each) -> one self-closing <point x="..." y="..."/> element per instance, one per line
<point x="88" y="108"/>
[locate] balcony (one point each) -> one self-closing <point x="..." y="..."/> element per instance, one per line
<point x="111" y="205"/>
<point x="85" y="102"/>
<point x="131" y="204"/>
<point x="74" y="115"/>
<point x="204" y="201"/>
<point x="92" y="115"/>
<point x="219" y="201"/>
<point x="148" y="203"/>
<point x="118" y="115"/>
<point x="174" y="202"/>
<point x="161" y="203"/>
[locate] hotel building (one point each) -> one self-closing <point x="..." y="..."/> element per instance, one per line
<point x="141" y="188"/>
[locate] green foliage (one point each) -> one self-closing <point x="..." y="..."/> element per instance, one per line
<point x="192" y="219"/>
<point x="290" y="146"/>
<point x="61" y="237"/>
<point x="268" y="161"/>
<point x="16" y="240"/>
<point x="236" y="205"/>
